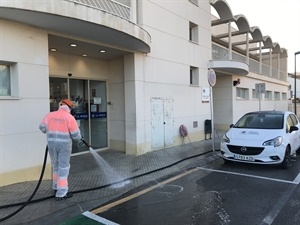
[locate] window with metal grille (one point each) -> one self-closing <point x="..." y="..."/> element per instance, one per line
<point x="5" y="80"/>
<point x="242" y="93"/>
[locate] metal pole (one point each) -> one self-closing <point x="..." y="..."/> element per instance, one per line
<point x="259" y="93"/>
<point x="295" y="86"/>
<point x="212" y="119"/>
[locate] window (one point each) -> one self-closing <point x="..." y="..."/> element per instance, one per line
<point x="255" y="94"/>
<point x="268" y="95"/>
<point x="194" y="76"/>
<point x="284" y="96"/>
<point x="193" y="36"/>
<point x="294" y="119"/>
<point x="276" y="96"/>
<point x="289" y="123"/>
<point x="242" y="93"/>
<point x="5" y="80"/>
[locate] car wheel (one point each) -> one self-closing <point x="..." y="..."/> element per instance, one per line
<point x="286" y="163"/>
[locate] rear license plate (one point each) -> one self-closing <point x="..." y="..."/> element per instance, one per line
<point x="244" y="157"/>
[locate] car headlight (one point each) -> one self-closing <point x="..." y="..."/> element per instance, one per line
<point x="225" y="139"/>
<point x="275" y="141"/>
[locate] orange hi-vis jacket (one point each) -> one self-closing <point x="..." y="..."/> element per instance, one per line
<point x="61" y="127"/>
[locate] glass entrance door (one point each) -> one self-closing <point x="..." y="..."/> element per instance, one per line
<point x="98" y="112"/>
<point x="91" y="110"/>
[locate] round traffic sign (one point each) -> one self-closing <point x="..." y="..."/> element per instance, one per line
<point x="211" y="76"/>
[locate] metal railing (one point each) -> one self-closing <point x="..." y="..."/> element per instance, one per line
<point x="221" y="53"/>
<point x="110" y="6"/>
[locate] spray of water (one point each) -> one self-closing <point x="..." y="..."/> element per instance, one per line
<point x="110" y="174"/>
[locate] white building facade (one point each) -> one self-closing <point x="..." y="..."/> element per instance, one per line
<point x="137" y="71"/>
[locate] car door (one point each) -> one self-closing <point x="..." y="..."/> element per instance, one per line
<point x="297" y="133"/>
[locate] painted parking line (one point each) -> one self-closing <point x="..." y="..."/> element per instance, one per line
<point x="108" y="206"/>
<point x="88" y="218"/>
<point x="271" y="216"/>
<point x="295" y="181"/>
<point x="99" y="218"/>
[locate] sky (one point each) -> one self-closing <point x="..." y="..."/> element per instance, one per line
<point x="280" y="19"/>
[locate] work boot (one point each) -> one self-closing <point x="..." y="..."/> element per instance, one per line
<point x="68" y="195"/>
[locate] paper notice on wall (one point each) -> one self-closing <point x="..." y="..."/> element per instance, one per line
<point x="97" y="101"/>
<point x="205" y="94"/>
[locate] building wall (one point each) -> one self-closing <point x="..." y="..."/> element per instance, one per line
<point x="116" y="109"/>
<point x="167" y="66"/>
<point x="22" y="144"/>
<point x="222" y="102"/>
<point x="228" y="108"/>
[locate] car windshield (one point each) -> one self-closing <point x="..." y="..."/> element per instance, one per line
<point x="261" y="121"/>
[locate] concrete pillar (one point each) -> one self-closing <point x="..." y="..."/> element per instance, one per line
<point x="278" y="66"/>
<point x="247" y="48"/>
<point x="260" y="59"/>
<point x="134" y="104"/>
<point x="133" y="11"/>
<point x="229" y="40"/>
<point x="270" y="64"/>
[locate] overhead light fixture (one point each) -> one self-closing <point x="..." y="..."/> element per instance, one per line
<point x="84" y="55"/>
<point x="53" y="49"/>
<point x="73" y="45"/>
<point x="102" y="51"/>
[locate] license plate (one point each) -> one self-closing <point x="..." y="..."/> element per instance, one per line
<point x="244" y="157"/>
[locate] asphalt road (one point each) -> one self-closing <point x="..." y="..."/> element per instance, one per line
<point x="217" y="194"/>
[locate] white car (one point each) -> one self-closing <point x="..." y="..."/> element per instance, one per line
<point x="263" y="137"/>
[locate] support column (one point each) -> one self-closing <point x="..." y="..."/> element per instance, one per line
<point x="133" y="9"/>
<point x="278" y="66"/>
<point x="135" y="138"/>
<point x="229" y="40"/>
<point x="270" y="64"/>
<point x="247" y="48"/>
<point x="260" y="59"/>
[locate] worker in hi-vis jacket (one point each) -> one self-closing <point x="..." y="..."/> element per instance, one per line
<point x="61" y="128"/>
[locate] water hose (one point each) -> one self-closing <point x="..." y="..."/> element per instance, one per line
<point x="29" y="201"/>
<point x="32" y="195"/>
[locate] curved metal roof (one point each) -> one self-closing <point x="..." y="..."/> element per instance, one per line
<point x="224" y="11"/>
<point x="242" y="23"/>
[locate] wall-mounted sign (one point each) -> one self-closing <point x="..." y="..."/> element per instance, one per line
<point x="97" y="100"/>
<point x="205" y="94"/>
<point x="260" y="88"/>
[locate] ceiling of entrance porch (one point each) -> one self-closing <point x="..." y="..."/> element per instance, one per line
<point x="92" y="50"/>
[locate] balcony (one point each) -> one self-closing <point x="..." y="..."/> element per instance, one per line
<point x="110" y="6"/>
<point x="237" y="64"/>
<point x="106" y="22"/>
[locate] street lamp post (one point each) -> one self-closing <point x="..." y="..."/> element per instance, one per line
<point x="295" y="98"/>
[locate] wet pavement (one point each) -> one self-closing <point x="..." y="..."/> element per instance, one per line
<point x="97" y="180"/>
